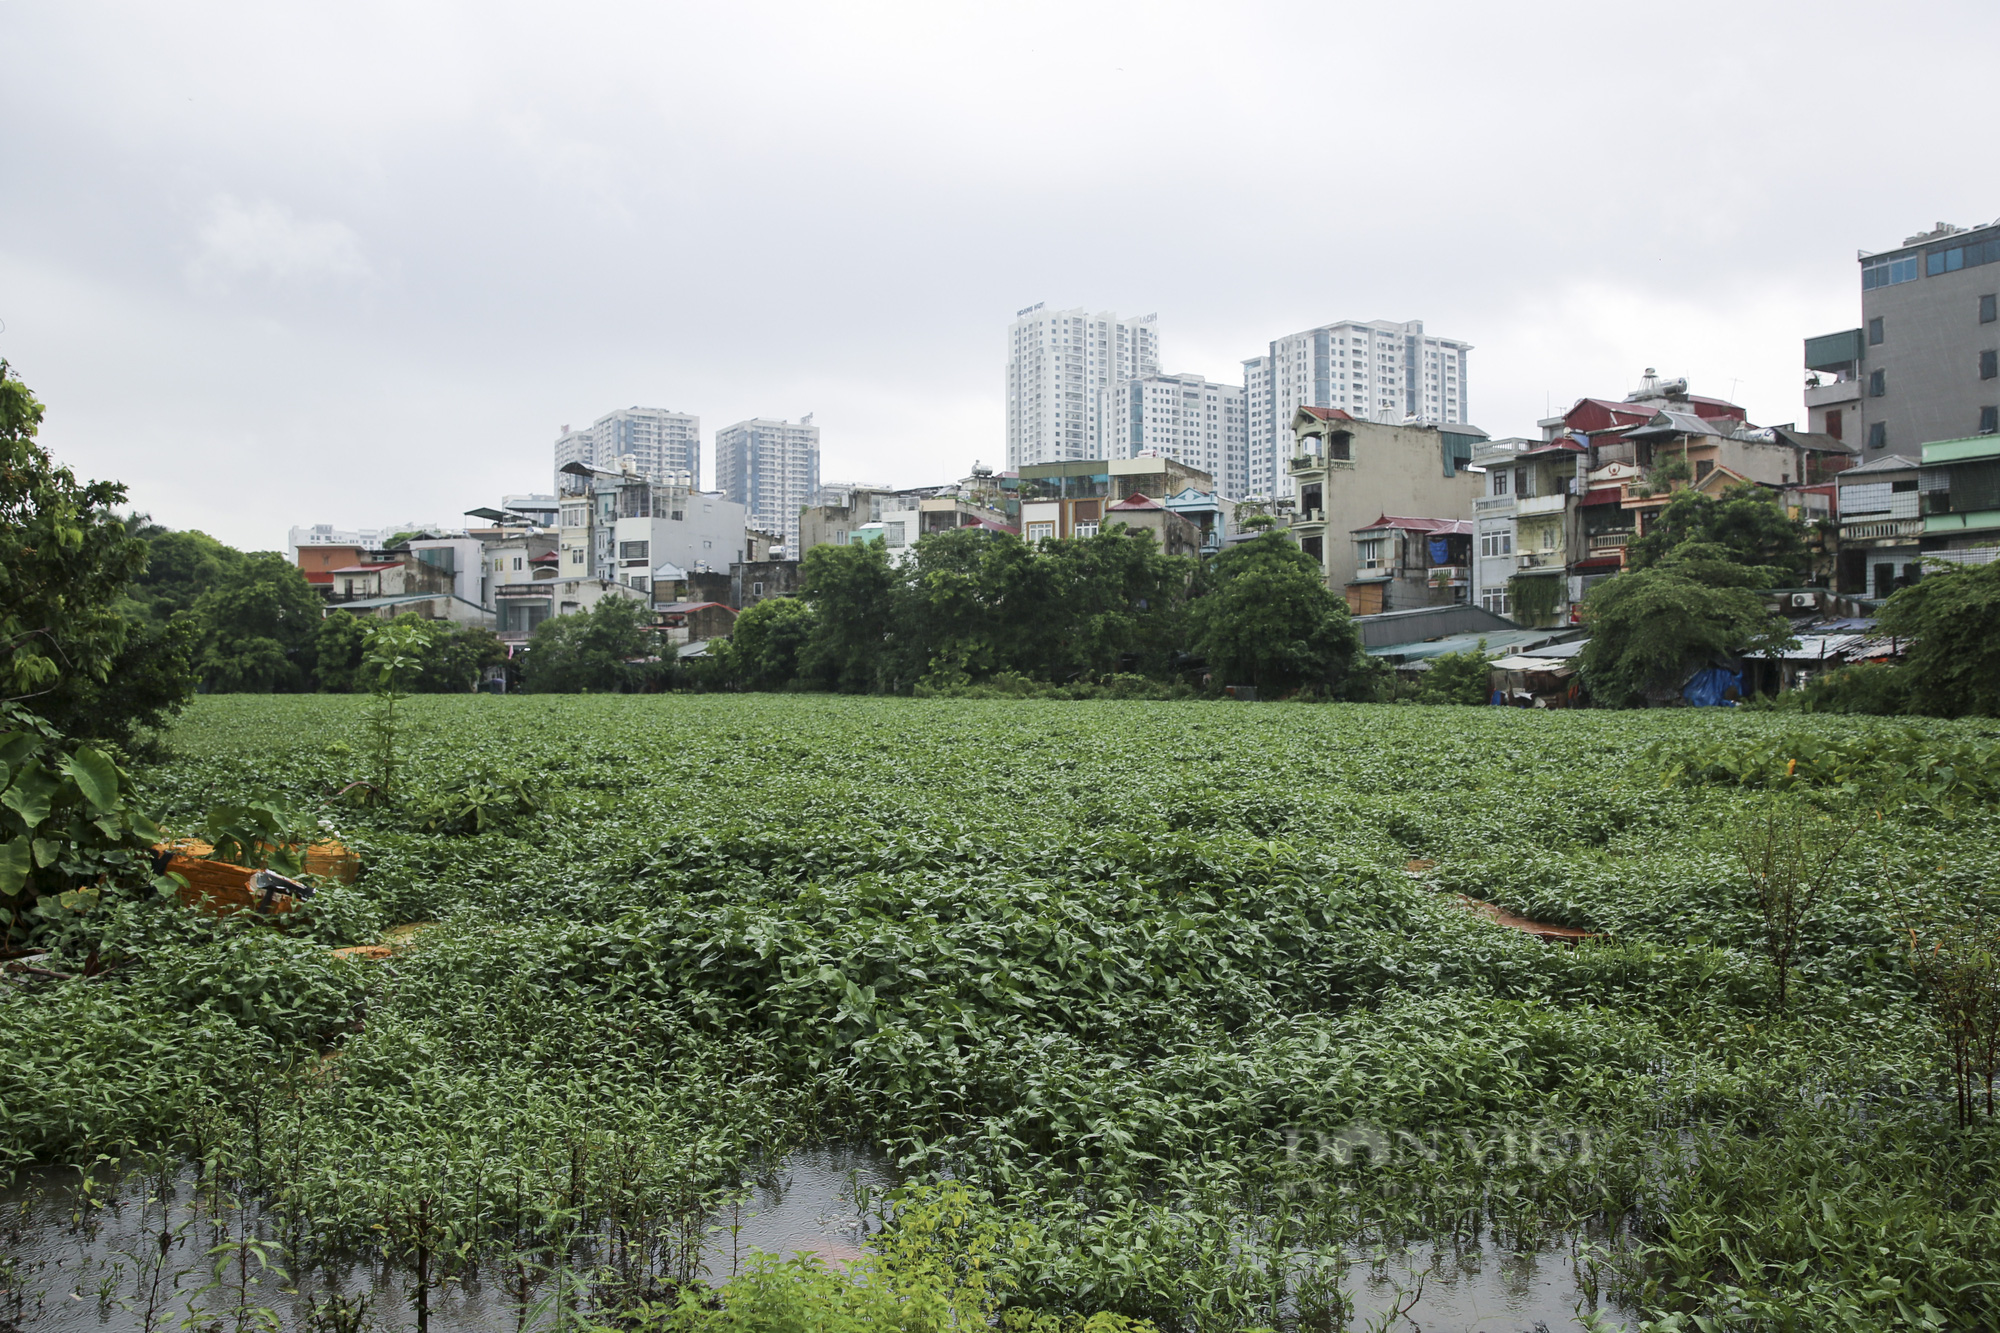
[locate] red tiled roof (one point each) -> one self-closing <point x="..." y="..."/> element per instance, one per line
<point x="1135" y="501"/>
<point x="1603" y="495"/>
<point x="1326" y="413"/>
<point x="365" y="569"/>
<point x="319" y="578"/>
<point x="1448" y="526"/>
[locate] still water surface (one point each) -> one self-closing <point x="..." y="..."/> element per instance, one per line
<point x="74" y="1280"/>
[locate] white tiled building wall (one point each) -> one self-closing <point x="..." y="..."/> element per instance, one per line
<point x="1058" y="364"/>
<point x="771" y="468"/>
<point x="1380" y="370"/>
<point x="1187" y="418"/>
<point x="664" y="444"/>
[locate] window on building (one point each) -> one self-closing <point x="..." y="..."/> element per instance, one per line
<point x="626" y="551"/>
<point x="1878" y="435"/>
<point x="576" y="557"/>
<point x="1875" y="331"/>
<point x="1989" y="365"/>
<point x="1086" y="530"/>
<point x="1989" y="309"/>
<point x="1497" y="602"/>
<point x="1989" y="421"/>
<point x="1703" y="467"/>
<point x="1833" y="420"/>
<point x="1500" y="481"/>
<point x="1368" y="552"/>
<point x="893" y="533"/>
<point x="517" y="562"/>
<point x="1878" y="383"/>
<point x="1041" y="532"/>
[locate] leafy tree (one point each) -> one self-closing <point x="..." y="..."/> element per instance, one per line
<point x="455" y="657"/>
<point x="257" y="628"/>
<point x="337" y="647"/>
<point x="1952" y="620"/>
<point x="1271" y="621"/>
<point x="1649" y="628"/>
<point x="598" y="651"/>
<point x="180" y="566"/>
<point x="852" y="591"/>
<point x="65" y="560"/>
<point x="449" y="659"/>
<point x="1746" y="523"/>
<point x="1457" y="678"/>
<point x="765" y="646"/>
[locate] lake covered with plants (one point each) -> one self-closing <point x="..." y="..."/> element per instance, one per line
<point x="1183" y="1012"/>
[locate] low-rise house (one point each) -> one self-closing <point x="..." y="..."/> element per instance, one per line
<point x="1069" y="499"/>
<point x="1960" y="489"/>
<point x="519" y="607"/>
<point x="1347" y="472"/>
<point x="1401" y="564"/>
<point x="431" y="606"/>
<point x="1209" y="511"/>
<point x="1174" y="533"/>
<point x="1881" y="527"/>
<point x="686" y="622"/>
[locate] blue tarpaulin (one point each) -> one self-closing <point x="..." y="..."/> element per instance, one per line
<point x="1439" y="551"/>
<point x="1714" y="688"/>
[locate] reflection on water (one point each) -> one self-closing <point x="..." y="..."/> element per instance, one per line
<point x="100" y="1273"/>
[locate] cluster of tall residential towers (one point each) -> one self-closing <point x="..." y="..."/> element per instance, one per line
<point x="769" y="467"/>
<point x="1083" y="385"/>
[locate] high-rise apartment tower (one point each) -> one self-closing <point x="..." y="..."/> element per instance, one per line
<point x="1378" y="370"/>
<point x="771" y="468"/>
<point x="665" y="446"/>
<point x="1187" y="418"/>
<point x="1058" y="362"/>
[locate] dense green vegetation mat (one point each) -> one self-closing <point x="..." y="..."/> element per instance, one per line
<point x="1166" y="987"/>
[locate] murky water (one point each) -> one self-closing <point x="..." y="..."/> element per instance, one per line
<point x="103" y="1277"/>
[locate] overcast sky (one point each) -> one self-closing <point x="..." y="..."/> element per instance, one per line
<point x="275" y="263"/>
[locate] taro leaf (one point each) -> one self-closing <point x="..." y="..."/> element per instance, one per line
<point x="78" y="900"/>
<point x="15" y="860"/>
<point x="16" y="746"/>
<point x="46" y="851"/>
<point x="169" y="884"/>
<point x="29" y="796"/>
<point x="96" y="778"/>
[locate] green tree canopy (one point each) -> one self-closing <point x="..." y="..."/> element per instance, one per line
<point x="598" y="651"/>
<point x="1745" y="523"/>
<point x="1952" y="619"/>
<point x="1650" y="628"/>
<point x="65" y="565"/>
<point x="852" y="591"/>
<point x="257" y="627"/>
<point x="180" y="567"/>
<point x="1271" y="621"/>
<point x="764" y="647"/>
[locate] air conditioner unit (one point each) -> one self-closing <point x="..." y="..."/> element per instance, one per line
<point x="1804" y="599"/>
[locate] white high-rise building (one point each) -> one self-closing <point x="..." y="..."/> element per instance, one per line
<point x="772" y="469"/>
<point x="1187" y="418"/>
<point x="1058" y="364"/>
<point x="1379" y="370"/>
<point x="665" y="446"/>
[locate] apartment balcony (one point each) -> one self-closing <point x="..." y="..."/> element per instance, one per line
<point x="1830" y="395"/>
<point x="1310" y="518"/>
<point x="1527" y="560"/>
<point x="1314" y="463"/>
<point x="1374" y="570"/>
<point x="1901" y="527"/>
<point x="1540" y="504"/>
<point x="1609" y="541"/>
<point x="1493" y="506"/>
<point x="1450" y="576"/>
